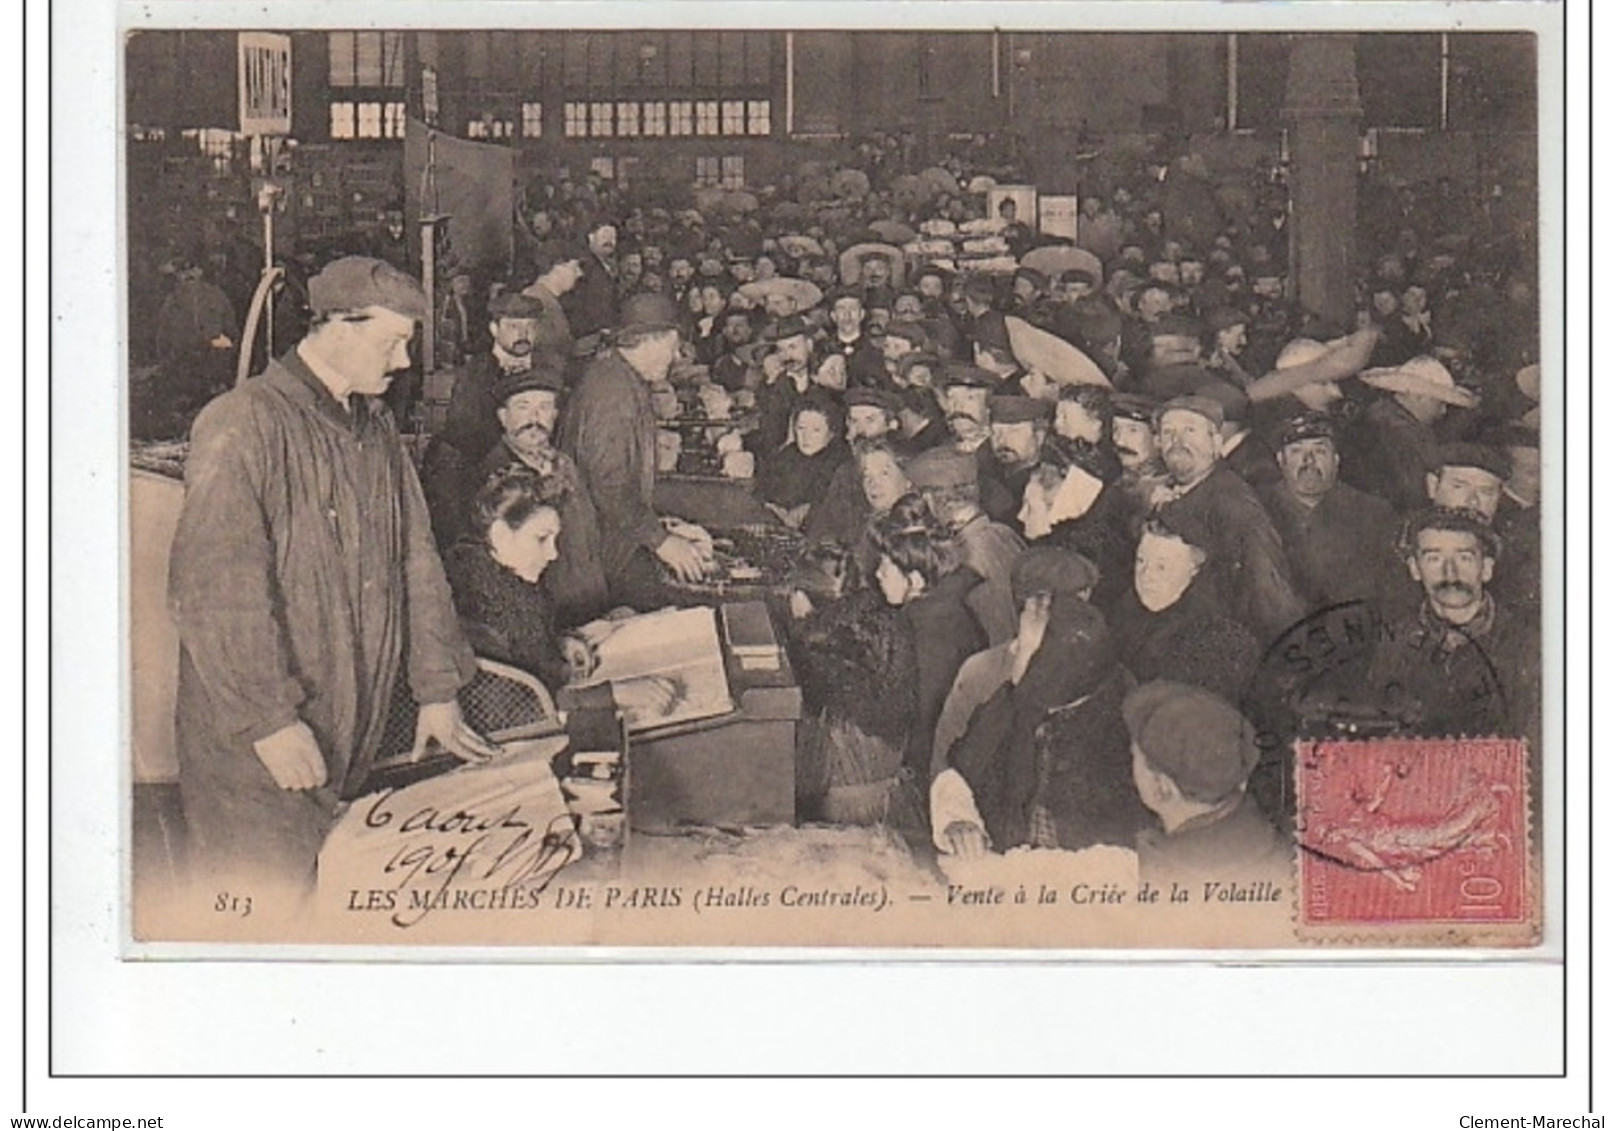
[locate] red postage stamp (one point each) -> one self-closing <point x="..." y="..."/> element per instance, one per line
<point x="1416" y="841"/>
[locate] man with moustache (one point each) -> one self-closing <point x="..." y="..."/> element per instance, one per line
<point x="471" y="430"/>
<point x="529" y="406"/>
<point x="1325" y="523"/>
<point x="591" y="306"/>
<point x="1464" y="663"/>
<point x="1018" y="427"/>
<point x="787" y="379"/>
<point x="1214" y="508"/>
<point x="609" y="430"/>
<point x="306" y="590"/>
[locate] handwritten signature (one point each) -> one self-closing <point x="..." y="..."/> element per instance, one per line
<point x="505" y="851"/>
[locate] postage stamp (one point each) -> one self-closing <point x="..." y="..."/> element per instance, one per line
<point x="826" y="488"/>
<point x="1413" y="840"/>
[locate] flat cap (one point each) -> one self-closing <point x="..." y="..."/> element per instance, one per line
<point x="877" y="398"/>
<point x="1307" y="426"/>
<point x="1202" y="406"/>
<point x="970" y="376"/>
<point x="1050" y="569"/>
<point x="544" y="373"/>
<point x="356" y="281"/>
<point x="1202" y="743"/>
<point x="1235" y="404"/>
<point x="942" y="467"/>
<point x="1019" y="410"/>
<point x="1134" y="406"/>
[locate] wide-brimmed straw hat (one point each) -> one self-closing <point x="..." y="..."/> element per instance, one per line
<point x="1421" y="377"/>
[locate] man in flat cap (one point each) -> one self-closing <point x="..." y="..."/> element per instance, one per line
<point x="1220" y="511"/>
<point x="529" y="408"/>
<point x="306" y="589"/>
<point x="471" y="425"/>
<point x="1132" y="432"/>
<point x="1193" y="754"/>
<point x="1464" y="663"/>
<point x="609" y="430"/>
<point x="1019" y="425"/>
<point x="1341" y="542"/>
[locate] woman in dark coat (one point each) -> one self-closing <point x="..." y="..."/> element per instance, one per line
<point x="793" y="479"/>
<point x="507" y="616"/>
<point x="917" y="573"/>
<point x="1047" y="757"/>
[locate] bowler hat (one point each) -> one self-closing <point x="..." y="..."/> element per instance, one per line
<point x="515" y="304"/>
<point x="1483" y="456"/>
<point x="647" y="311"/>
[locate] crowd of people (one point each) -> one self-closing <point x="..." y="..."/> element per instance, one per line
<point x="1083" y="551"/>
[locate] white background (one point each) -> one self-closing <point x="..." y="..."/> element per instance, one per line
<point x="1139" y="1017"/>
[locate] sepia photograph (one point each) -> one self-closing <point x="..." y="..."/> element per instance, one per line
<point x="839" y="488"/>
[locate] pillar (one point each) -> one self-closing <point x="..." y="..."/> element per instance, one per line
<point x="1321" y="111"/>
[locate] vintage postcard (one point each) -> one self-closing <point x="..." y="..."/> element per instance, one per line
<point x="957" y="488"/>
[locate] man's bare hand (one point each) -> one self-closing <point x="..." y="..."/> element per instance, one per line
<point x="443" y="722"/>
<point x="581" y="659"/>
<point x="681" y="556"/>
<point x="965" y="840"/>
<point x="292" y="757"/>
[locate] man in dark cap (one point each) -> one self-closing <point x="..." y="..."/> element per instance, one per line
<point x="1193" y="754"/>
<point x="1019" y="425"/>
<point x="965" y="391"/>
<point x="1341" y="542"/>
<point x="529" y="407"/>
<point x="1132" y="432"/>
<point x="306" y="589"/>
<point x="1217" y="509"/>
<point x="1464" y="663"/>
<point x="609" y="430"/>
<point x="514" y="324"/>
